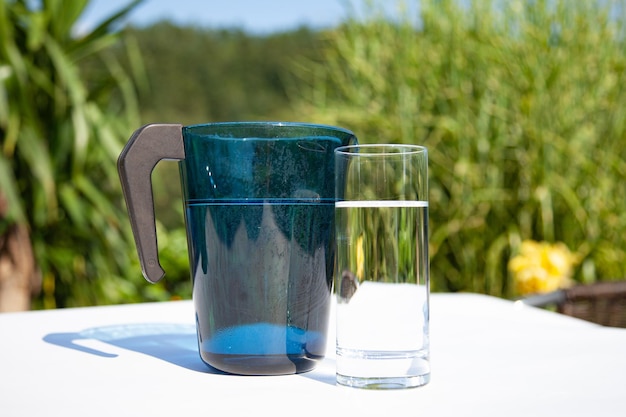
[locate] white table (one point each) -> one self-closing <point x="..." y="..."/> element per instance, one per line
<point x="490" y="357"/>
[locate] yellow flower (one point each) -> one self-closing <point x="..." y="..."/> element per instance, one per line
<point x="542" y="267"/>
<point x="360" y="258"/>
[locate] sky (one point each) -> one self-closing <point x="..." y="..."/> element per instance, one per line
<point x="254" y="16"/>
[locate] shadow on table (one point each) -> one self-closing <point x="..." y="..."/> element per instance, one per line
<point x="173" y="343"/>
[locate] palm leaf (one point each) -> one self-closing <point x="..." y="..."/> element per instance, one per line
<point x="58" y="144"/>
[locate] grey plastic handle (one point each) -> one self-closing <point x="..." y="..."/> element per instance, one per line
<point x="145" y="148"/>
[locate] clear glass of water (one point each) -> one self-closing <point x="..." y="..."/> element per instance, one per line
<point x="382" y="276"/>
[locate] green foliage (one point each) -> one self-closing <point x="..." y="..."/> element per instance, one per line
<point x="59" y="139"/>
<point x="520" y="104"/>
<point x="196" y="75"/>
<point x="521" y="107"/>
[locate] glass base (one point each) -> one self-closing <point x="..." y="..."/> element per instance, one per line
<point x="383" y="383"/>
<point x="382" y="369"/>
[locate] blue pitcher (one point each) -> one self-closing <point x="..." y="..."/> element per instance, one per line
<point x="259" y="212"/>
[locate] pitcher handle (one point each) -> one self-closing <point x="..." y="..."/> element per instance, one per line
<point x="145" y="148"/>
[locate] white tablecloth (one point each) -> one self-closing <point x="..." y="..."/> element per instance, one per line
<point x="490" y="357"/>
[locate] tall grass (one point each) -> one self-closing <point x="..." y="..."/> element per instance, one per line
<point x="522" y="106"/>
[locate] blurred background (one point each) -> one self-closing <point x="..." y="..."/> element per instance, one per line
<point x="521" y="103"/>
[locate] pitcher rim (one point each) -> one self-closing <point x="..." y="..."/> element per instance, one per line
<point x="273" y="124"/>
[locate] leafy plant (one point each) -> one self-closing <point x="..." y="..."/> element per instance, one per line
<point x="521" y="106"/>
<point x="62" y="125"/>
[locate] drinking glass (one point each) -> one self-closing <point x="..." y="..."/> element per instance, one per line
<point x="382" y="275"/>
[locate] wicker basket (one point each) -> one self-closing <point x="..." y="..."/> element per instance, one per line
<point x="602" y="302"/>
